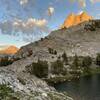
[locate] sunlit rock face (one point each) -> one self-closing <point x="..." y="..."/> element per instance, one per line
<point x="73" y="19"/>
<point x="9" y="50"/>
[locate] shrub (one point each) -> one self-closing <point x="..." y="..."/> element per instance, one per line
<point x="87" y="61"/>
<point x="59" y="57"/>
<point x="55" y="52"/>
<point x="65" y="58"/>
<point x="51" y="51"/>
<point x="40" y="69"/>
<point x="36" y="43"/>
<point x="97" y="24"/>
<point x="7" y="93"/>
<point x="98" y="59"/>
<point x="57" y="67"/>
<point x="5" y="61"/>
<point x="42" y="39"/>
<point x="90" y="27"/>
<point x="16" y="58"/>
<point x="75" y="64"/>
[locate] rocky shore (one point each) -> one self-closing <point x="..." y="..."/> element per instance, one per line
<point x="26" y="87"/>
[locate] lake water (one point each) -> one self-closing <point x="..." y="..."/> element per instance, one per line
<point x="85" y="88"/>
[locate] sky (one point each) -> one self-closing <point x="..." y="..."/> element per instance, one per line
<point x="25" y="21"/>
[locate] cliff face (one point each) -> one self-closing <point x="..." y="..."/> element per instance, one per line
<point x="73" y="19"/>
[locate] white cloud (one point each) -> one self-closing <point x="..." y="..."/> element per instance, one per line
<point x="23" y="2"/>
<point x="31" y="28"/>
<point x="50" y="11"/>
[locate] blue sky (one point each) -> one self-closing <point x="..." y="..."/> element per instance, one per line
<point x="23" y="21"/>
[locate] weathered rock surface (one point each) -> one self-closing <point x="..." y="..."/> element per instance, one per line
<point x="82" y="39"/>
<point x="73" y="19"/>
<point x="28" y="87"/>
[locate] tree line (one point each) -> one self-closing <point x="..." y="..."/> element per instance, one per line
<point x="41" y="68"/>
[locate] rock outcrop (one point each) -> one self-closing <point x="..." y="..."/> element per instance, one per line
<point x="82" y="39"/>
<point x="27" y="87"/>
<point x="73" y="19"/>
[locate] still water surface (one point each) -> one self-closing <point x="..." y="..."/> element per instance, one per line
<point x="85" y="88"/>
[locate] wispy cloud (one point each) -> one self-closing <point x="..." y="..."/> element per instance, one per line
<point x="94" y="1"/>
<point x="82" y="3"/>
<point x="30" y="29"/>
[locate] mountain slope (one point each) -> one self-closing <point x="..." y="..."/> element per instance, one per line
<point x="73" y="19"/>
<point x="82" y="39"/>
<point x="26" y="87"/>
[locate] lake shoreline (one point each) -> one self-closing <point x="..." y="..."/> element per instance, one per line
<point x="84" y="88"/>
<point x="60" y="79"/>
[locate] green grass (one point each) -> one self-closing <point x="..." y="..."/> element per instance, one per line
<point x="7" y="93"/>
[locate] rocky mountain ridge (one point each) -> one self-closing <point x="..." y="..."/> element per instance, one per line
<point x="82" y="39"/>
<point x="73" y="19"/>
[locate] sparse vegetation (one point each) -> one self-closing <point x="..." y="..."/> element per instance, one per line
<point x="5" y="61"/>
<point x="97" y="24"/>
<point x="40" y="68"/>
<point x="7" y="93"/>
<point x="52" y="51"/>
<point x="75" y="64"/>
<point x="65" y="58"/>
<point x="87" y="61"/>
<point x="57" y="67"/>
<point x="55" y="52"/>
<point x="42" y="39"/>
<point x="16" y="58"/>
<point x="98" y="59"/>
<point x="90" y="27"/>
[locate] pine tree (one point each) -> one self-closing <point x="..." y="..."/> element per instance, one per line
<point x="65" y="58"/>
<point x="57" y="67"/>
<point x="87" y="61"/>
<point x="98" y="59"/>
<point x="40" y="69"/>
<point x="75" y="64"/>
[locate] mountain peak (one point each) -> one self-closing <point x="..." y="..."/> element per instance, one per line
<point x="82" y="12"/>
<point x="9" y="50"/>
<point x="71" y="14"/>
<point x="73" y="19"/>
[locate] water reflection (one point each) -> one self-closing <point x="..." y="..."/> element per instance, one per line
<point x="86" y="88"/>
